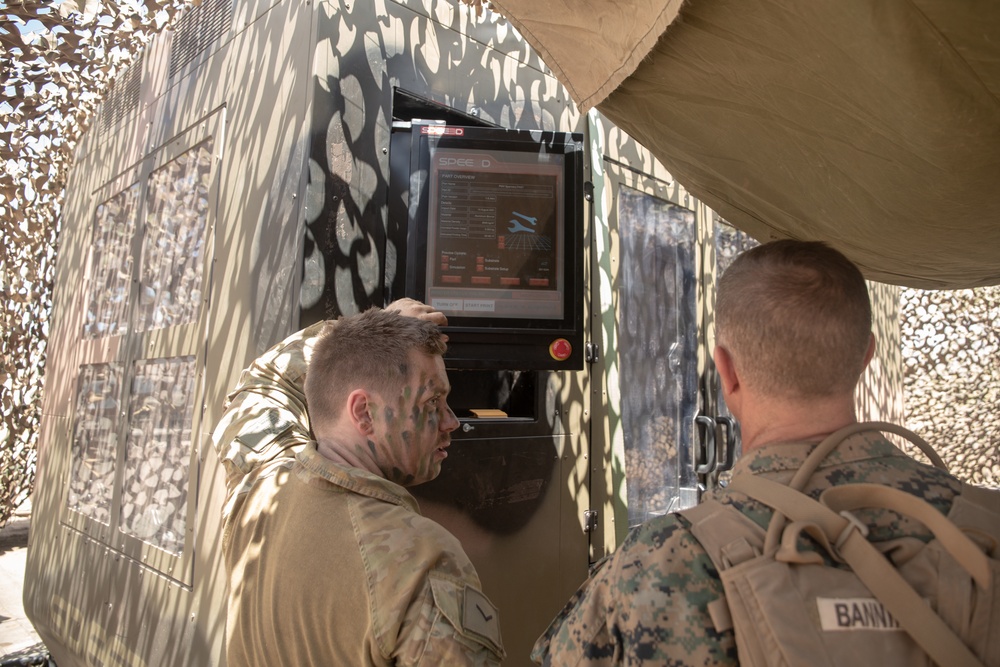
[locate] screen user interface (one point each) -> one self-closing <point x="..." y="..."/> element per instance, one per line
<point x="495" y="238"/>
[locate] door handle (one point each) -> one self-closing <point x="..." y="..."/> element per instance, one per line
<point x="729" y="425"/>
<point x="706" y="425"/>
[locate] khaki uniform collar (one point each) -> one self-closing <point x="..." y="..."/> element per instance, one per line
<point x="316" y="468"/>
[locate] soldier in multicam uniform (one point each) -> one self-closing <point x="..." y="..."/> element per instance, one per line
<point x="793" y="325"/>
<point x="329" y="559"/>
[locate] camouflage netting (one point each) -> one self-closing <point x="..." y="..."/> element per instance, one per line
<point x="57" y="59"/>
<point x="951" y="349"/>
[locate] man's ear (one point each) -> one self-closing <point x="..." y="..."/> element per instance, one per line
<point x="727" y="371"/>
<point x="871" y="351"/>
<point x="357" y="410"/>
<point x="732" y="389"/>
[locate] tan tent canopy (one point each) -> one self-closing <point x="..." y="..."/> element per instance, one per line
<point x="871" y="124"/>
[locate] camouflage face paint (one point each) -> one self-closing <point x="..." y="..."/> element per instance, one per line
<point x="413" y="428"/>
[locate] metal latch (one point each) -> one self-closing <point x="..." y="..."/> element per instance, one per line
<point x="590" y="521"/>
<point x="591" y="353"/>
<point x="706" y="465"/>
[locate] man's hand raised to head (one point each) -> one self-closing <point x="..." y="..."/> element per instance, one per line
<point x="413" y="308"/>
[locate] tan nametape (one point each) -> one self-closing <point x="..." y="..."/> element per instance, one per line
<point x="846" y="614"/>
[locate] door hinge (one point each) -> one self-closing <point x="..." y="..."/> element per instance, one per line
<point x="590" y="521"/>
<point x="591" y="353"/>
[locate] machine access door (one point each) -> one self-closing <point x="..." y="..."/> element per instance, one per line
<point x="646" y="262"/>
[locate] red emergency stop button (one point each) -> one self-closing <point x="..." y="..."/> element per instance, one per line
<point x="560" y="349"/>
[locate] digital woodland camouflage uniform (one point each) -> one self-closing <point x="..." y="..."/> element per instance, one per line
<point x="330" y="565"/>
<point x="647" y="603"/>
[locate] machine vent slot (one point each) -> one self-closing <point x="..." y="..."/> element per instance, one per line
<point x="197" y="30"/>
<point x="123" y="97"/>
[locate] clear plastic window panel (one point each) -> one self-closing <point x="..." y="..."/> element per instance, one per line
<point x="111" y="265"/>
<point x="657" y="349"/>
<point x="95" y="440"/>
<point x="170" y="278"/>
<point x="158" y="452"/>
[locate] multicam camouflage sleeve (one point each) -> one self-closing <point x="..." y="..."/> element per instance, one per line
<point x="427" y="602"/>
<point x="462" y="627"/>
<point x="266" y="418"/>
<point x="647" y="605"/>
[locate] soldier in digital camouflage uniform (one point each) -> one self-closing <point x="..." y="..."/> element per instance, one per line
<point x="329" y="560"/>
<point x="793" y="330"/>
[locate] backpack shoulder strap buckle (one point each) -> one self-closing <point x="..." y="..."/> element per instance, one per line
<point x="853" y="523"/>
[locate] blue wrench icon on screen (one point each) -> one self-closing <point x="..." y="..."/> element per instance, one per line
<point x="517" y="226"/>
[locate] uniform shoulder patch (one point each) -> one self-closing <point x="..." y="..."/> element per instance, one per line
<point x="479" y="616"/>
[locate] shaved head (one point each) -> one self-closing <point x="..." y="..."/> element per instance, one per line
<point x="795" y="317"/>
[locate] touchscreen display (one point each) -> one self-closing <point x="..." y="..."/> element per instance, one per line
<point x="495" y="239"/>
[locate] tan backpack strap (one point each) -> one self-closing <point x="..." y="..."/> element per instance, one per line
<point x="872" y="568"/>
<point x="729" y="538"/>
<point x="988" y="499"/>
<point x="726" y="534"/>
<point x="830" y="443"/>
<point x="852" y="497"/>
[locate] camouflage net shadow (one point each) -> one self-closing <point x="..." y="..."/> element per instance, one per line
<point x="58" y="60"/>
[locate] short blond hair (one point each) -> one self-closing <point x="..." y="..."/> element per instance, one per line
<point x="371" y="351"/>
<point x="796" y="319"/>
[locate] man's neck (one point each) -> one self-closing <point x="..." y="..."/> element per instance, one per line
<point x="352" y="456"/>
<point x="787" y="421"/>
